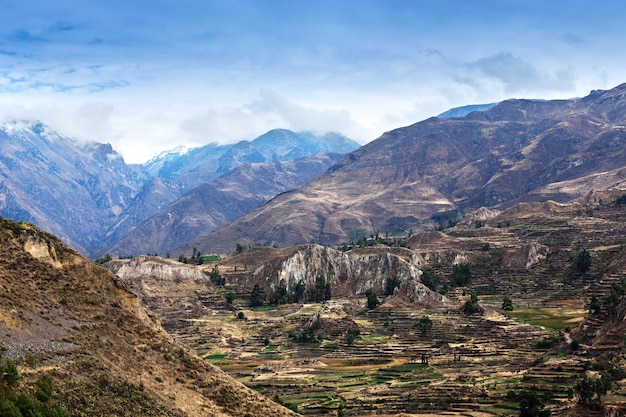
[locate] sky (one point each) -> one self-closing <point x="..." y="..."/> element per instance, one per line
<point x="150" y="75"/>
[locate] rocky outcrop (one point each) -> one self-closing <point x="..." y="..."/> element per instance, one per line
<point x="349" y="273"/>
<point x="155" y="267"/>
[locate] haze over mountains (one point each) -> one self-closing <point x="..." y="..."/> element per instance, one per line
<point x="86" y="194"/>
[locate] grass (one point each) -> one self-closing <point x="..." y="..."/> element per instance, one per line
<point x="215" y="356"/>
<point x="210" y="258"/>
<point x="550" y="318"/>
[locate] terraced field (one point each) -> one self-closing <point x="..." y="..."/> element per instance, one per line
<point x="464" y="364"/>
<point x="340" y="358"/>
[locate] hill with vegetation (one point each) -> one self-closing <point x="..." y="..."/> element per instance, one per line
<point x="84" y="346"/>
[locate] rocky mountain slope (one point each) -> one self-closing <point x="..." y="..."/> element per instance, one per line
<point x="519" y="150"/>
<point x="73" y="189"/>
<point x="65" y="318"/>
<point x="208" y="162"/>
<point x="86" y="193"/>
<point x="218" y="202"/>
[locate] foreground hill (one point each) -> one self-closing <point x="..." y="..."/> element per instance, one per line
<point x="70" y="320"/>
<point x="418" y="176"/>
<point x="218" y="202"/>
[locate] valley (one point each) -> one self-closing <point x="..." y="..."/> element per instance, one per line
<point x="340" y="356"/>
<point x="461" y="266"/>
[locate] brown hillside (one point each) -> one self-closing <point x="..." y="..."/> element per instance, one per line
<point x="64" y="316"/>
<point x="520" y="150"/>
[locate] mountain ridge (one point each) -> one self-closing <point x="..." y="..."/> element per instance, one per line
<point x="85" y="193"/>
<point x="202" y="209"/>
<point x="402" y="179"/>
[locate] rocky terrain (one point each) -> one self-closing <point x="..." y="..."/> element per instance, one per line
<point x="414" y="177"/>
<point x="69" y="188"/>
<point x="64" y="318"/>
<point x="86" y="194"/>
<point x="202" y="209"/>
<point x="298" y="325"/>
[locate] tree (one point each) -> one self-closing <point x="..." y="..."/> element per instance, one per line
<point x="507" y="304"/>
<point x="322" y="289"/>
<point x="461" y="275"/>
<point x="612" y="301"/>
<point x="230" y="297"/>
<point x="372" y="299"/>
<point x="216" y="278"/>
<point x="392" y="283"/>
<point x="430" y="279"/>
<point x="425" y="325"/>
<point x="299" y="291"/>
<point x="530" y="405"/>
<point x="257" y="297"/>
<point x="353" y="333"/>
<point x="594" y="305"/>
<point x="583" y="260"/>
<point x="240" y="248"/>
<point x="280" y="295"/>
<point x="591" y="390"/>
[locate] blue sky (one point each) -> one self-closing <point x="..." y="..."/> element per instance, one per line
<point x="148" y="75"/>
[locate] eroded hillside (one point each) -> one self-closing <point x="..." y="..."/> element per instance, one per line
<point x="64" y="317"/>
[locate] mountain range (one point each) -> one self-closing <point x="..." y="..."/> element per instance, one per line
<point x="436" y="170"/>
<point x="86" y="194"/>
<point x="422" y="176"/>
<point x="221" y="201"/>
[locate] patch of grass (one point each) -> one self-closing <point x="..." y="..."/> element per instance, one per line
<point x="551" y="318"/>
<point x="215" y="356"/>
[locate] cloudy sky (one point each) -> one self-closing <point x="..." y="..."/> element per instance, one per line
<point x="148" y="75"/>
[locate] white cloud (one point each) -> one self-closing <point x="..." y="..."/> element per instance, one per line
<point x="90" y="121"/>
<point x="270" y="110"/>
<point x="511" y="75"/>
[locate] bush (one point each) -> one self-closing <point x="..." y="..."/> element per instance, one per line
<point x="461" y="275"/>
<point x="8" y="409"/>
<point x="430" y="279"/>
<point x="471" y="306"/>
<point x="8" y="372"/>
<point x="372" y="298"/>
<point x="507" y="304"/>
